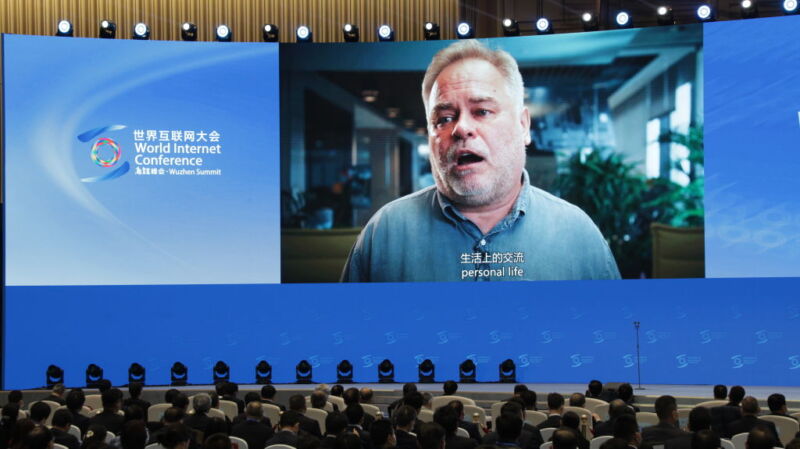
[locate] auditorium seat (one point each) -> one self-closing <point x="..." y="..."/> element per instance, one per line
<point x="280" y="446"/>
<point x="787" y="427"/>
<point x="238" y="443"/>
<point x="494" y="409"/>
<point x="726" y="444"/>
<point x="75" y="431"/>
<point x="441" y="401"/>
<point x="230" y="408"/>
<point x="602" y="411"/>
<point x="273" y="412"/>
<point x="547" y="433"/>
<point x="319" y="416"/>
<point x="371" y="410"/>
<point x="598" y="441"/>
<point x="535" y="418"/>
<point x="646" y="419"/>
<point x="470" y="410"/>
<point x="712" y="404"/>
<point x="592" y="404"/>
<point x="462" y="432"/>
<point x="337" y="401"/>
<point x="546" y="445"/>
<point x="156" y="411"/>
<point x="739" y="440"/>
<point x="59" y="446"/>
<point x="313" y="255"/>
<point x="425" y="415"/>
<point x="94" y="401"/>
<point x="110" y="437"/>
<point x="154" y="446"/>
<point x="683" y="417"/>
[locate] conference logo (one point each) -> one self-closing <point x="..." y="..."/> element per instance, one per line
<point x="794" y="362"/>
<point x="684" y="360"/>
<point x="740" y="361"/>
<point x="629" y="360"/>
<point x="579" y="360"/>
<point x="105" y="152"/>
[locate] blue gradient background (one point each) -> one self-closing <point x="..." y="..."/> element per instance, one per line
<point x="752" y="144"/>
<point x="140" y="229"/>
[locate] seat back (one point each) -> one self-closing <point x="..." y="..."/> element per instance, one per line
<point x="600" y="408"/>
<point x="787" y="427"/>
<point x="273" y="412"/>
<point x="154" y="446"/>
<point x="110" y="437"/>
<point x="460" y="431"/>
<point x="495" y="409"/>
<point x="712" y="404"/>
<point x="280" y="446"/>
<point x="94" y="401"/>
<point x="598" y="441"/>
<point x="238" y="443"/>
<point x="156" y="411"/>
<point x="318" y="416"/>
<point x="75" y="431"/>
<point x="547" y="433"/>
<point x="425" y="415"/>
<point x="592" y="403"/>
<point x="59" y="446"/>
<point x="216" y="413"/>
<point x="471" y="410"/>
<point x="230" y="408"/>
<point x="726" y="444"/>
<point x="546" y="445"/>
<point x="441" y="401"/>
<point x="683" y="417"/>
<point x="371" y="409"/>
<point x="535" y="418"/>
<point x="646" y="419"/>
<point x="739" y="440"/>
<point x="339" y="402"/>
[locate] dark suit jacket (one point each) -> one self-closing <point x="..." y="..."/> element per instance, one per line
<point x="406" y="440"/>
<point x="472" y="429"/>
<point x="722" y="417"/>
<point x="604" y="428"/>
<point x="527" y="440"/>
<point x="80" y="421"/>
<point x="457" y="442"/>
<point x="661" y="432"/>
<point x="283" y="437"/>
<point x="367" y="422"/>
<point x="255" y="433"/>
<point x="65" y="439"/>
<point x="551" y="421"/>
<point x="748" y="422"/>
<point x="197" y="421"/>
<point x="682" y="442"/>
<point x="144" y="405"/>
<point x="329" y="442"/>
<point x="110" y="420"/>
<point x="310" y="425"/>
<point x="366" y="438"/>
<point x="56" y="399"/>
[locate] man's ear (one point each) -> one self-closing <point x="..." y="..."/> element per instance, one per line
<point x="525" y="124"/>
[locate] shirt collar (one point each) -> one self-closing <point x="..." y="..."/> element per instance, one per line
<point x="520" y="205"/>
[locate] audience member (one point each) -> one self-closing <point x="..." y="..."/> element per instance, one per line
<point x="750" y="420"/>
<point x="349" y="440"/>
<point x="450" y="387"/>
<point x="625" y="392"/>
<point x="720" y="392"/>
<point x="555" y="407"/>
<point x="181" y="401"/>
<point x="135" y="393"/>
<point x="529" y="399"/>
<point x="39" y="412"/>
<point x="297" y="403"/>
<point x="61" y="423"/>
<point x="407" y="389"/>
<point x="616" y="408"/>
<point x="8" y="420"/>
<point x="572" y="422"/>
<point x="288" y="427"/>
<point x="172" y="415"/>
<point x="760" y="437"/>
<point x="705" y="439"/>
<point x="736" y="395"/>
<point x="382" y="434"/>
<point x="253" y="430"/>
<point x="405" y="418"/>
<point x="355" y="420"/>
<point x="366" y="395"/>
<point x="319" y="400"/>
<point x="509" y="430"/>
<point x="795" y="443"/>
<point x="268" y="397"/>
<point x="335" y="423"/>
<point x="169" y="395"/>
<point x="109" y="418"/>
<point x="529" y="438"/>
<point x="217" y="441"/>
<point x="229" y="390"/>
<point x="448" y="419"/>
<point x="133" y="435"/>
<point x="431" y="436"/>
<point x="667" y="427"/>
<point x="15" y="397"/>
<point x="175" y="436"/>
<point x="103" y="385"/>
<point x="337" y="390"/>
<point x="201" y="404"/>
<point x="75" y="400"/>
<point x="57" y="394"/>
<point x="469" y="426"/>
<point x="699" y="420"/>
<point x="40" y="437"/>
<point x="626" y="428"/>
<point x="353" y="396"/>
<point x="218" y="425"/>
<point x="564" y="439"/>
<point x="95" y="437"/>
<point x="777" y="405"/>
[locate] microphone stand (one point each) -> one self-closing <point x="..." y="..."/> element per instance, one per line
<point x="636" y="324"/>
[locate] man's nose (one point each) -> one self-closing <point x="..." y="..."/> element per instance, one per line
<point x="465" y="127"/>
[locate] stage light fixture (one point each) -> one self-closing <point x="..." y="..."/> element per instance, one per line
<point x="303" y="372"/>
<point x="350" y="33"/>
<point x="141" y="31"/>
<point x="589" y="21"/>
<point x="108" y="30"/>
<point x="665" y="15"/>
<point x="467" y="372"/>
<point x="386" y="372"/>
<point x="705" y="13"/>
<point x="465" y="31"/>
<point x="510" y="27"/>
<point x="270" y="33"/>
<point x="136" y="373"/>
<point x="54" y="375"/>
<point x="431" y="31"/>
<point x="789" y="6"/>
<point x="427" y="372"/>
<point x="189" y="31"/>
<point x="385" y="33"/>
<point x="224" y="33"/>
<point x="304" y="34"/>
<point x="178" y="374"/>
<point x="65" y="28"/>
<point x="221" y="372"/>
<point x="263" y="373"/>
<point x="94" y="374"/>
<point x="623" y="19"/>
<point x="749" y="9"/>
<point x="543" y="26"/>
<point x="344" y="372"/>
<point x="508" y="371"/>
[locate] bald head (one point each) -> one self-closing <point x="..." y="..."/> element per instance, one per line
<point x="254" y="409"/>
<point x="750" y="406"/>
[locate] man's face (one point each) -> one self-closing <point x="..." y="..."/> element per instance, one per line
<point x="477" y="134"/>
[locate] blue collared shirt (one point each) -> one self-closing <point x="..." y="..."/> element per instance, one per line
<point x="423" y="237"/>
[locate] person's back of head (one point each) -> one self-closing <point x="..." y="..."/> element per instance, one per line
<point x="134" y="413"/>
<point x="760" y="438"/>
<point x="794" y="444"/>
<point x="431" y="436"/>
<point x="95" y="436"/>
<point x="335" y="423"/>
<point x="58" y="389"/>
<point x="355" y="414"/>
<point x="457" y="407"/>
<point x="75" y="400"/>
<point x="625" y="427"/>
<point x="217" y="441"/>
<point x="529" y="399"/>
<point x="750" y="406"/>
<point x="577" y="400"/>
<point x="351" y="396"/>
<point x="39" y="438"/>
<point x="776" y="403"/>
<point x="450" y="387"/>
<point x="380" y="432"/>
<point x="625" y="392"/>
<point x="405" y="416"/>
<point x="297" y="403"/>
<point x="252" y="396"/>
<point x="20" y="432"/>
<point x="509" y="428"/>
<point x="9" y="415"/>
<point x="231" y="388"/>
<point x="289" y="420"/>
<point x="555" y="401"/>
<point x="666" y="408"/>
<point x="512" y="408"/>
<point x="62" y="419"/>
<point x="201" y="403"/>
<point x="409" y="388"/>
<point x="615" y="443"/>
<point x="366" y="394"/>
<point x="447" y="418"/>
<point x="736" y="395"/>
<point x="103" y="385"/>
<point x="175" y="436"/>
<point x="337" y="390"/>
<point x="169" y="395"/>
<point x="595" y="388"/>
<point x="519" y="388"/>
<point x="173" y="415"/>
<point x="699" y="419"/>
<point x="564" y="439"/>
<point x="135" y="389"/>
<point x="720" y="392"/>
<point x="318" y="399"/>
<point x="617" y="408"/>
<point x="705" y="439"/>
<point x="214" y="399"/>
<point x="216" y="425"/>
<point x="39" y="412"/>
<point x="180" y="401"/>
<point x="133" y="435"/>
<point x="347" y="440"/>
<point x="268" y="392"/>
<point x="254" y="410"/>
<point x="110" y="400"/>
<point x="219" y="387"/>
<point x="571" y="420"/>
<point x="414" y="400"/>
<point x="14" y="397"/>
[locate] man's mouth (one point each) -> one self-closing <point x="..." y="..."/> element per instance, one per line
<point x="466" y="157"/>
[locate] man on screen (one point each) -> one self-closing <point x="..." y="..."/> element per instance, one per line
<point x="482" y="220"/>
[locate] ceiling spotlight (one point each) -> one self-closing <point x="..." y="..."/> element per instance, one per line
<point x="136" y="373"/>
<point x="304" y="34"/>
<point x="589" y="22"/>
<point x="141" y="31"/>
<point x="189" y="31"/>
<point x="54" y="375"/>
<point x="94" y="374"/>
<point x="270" y="33"/>
<point x="510" y="27"/>
<point x="427" y="372"/>
<point x="789" y="6"/>
<point x="385" y="33"/>
<point x="263" y="373"/>
<point x="350" y="32"/>
<point x="665" y="16"/>
<point x="508" y="371"/>
<point x="223" y="33"/>
<point x="749" y="9"/>
<point x="108" y="29"/>
<point x="303" y="372"/>
<point x="543" y="26"/>
<point x="623" y="19"/>
<point x="65" y="29"/>
<point x="467" y="372"/>
<point x="431" y="31"/>
<point x="705" y="13"/>
<point x="178" y="374"/>
<point x="344" y="372"/>
<point x="465" y="31"/>
<point x="386" y="372"/>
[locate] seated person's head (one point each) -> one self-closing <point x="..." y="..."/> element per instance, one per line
<point x="625" y="392"/>
<point x="170" y="394"/>
<point x="216" y="425"/>
<point x="571" y="420"/>
<point x="458" y="407"/>
<point x="736" y="394"/>
<point x="75" y="399"/>
<point x="699" y="419"/>
<point x="666" y="408"/>
<point x="405" y="417"/>
<point x="217" y="441"/>
<point x="10" y="414"/>
<point x="705" y="439"/>
<point x="268" y="392"/>
<point x="529" y="399"/>
<point x="173" y="415"/>
<point x="626" y="428"/>
<point x="14" y="397"/>
<point x="297" y="403"/>
<point x="252" y="396"/>
<point x="509" y="428"/>
<point x="39" y="438"/>
<point x="450" y="387"/>
<point x="62" y="419"/>
<point x="431" y="436"/>
<point x="414" y="400"/>
<point x="777" y="403"/>
<point x="355" y="414"/>
<point x="595" y="388"/>
<point x="335" y="423"/>
<point x="447" y="418"/>
<point x="201" y="403"/>
<point x="135" y="389"/>
<point x="337" y="390"/>
<point x="290" y="420"/>
<point x="133" y="435"/>
<point x="254" y="410"/>
<point x="96" y="434"/>
<point x="307" y="442"/>
<point x="103" y="385"/>
<point x="409" y="388"/>
<point x="175" y="436"/>
<point x="318" y="400"/>
<point x="382" y="434"/>
<point x="366" y="394"/>
<point x="347" y="440"/>
<point x="351" y="396"/>
<point x="512" y="408"/>
<point x="39" y="412"/>
<point x="555" y="402"/>
<point x="564" y="439"/>
<point x="760" y="438"/>
<point x="112" y="399"/>
<point x="519" y="388"/>
<point x="180" y="401"/>
<point x="720" y="392"/>
<point x="617" y="408"/>
<point x="134" y="413"/>
<point x="750" y="406"/>
<point x="577" y="400"/>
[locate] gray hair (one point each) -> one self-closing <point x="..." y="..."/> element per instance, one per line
<point x="201" y="402"/>
<point x="473" y="49"/>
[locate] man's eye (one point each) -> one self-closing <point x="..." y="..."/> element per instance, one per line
<point x="483" y="112"/>
<point x="444" y="120"/>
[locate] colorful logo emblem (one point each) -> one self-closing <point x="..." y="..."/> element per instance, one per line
<point x="100" y="149"/>
<point x="96" y="152"/>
